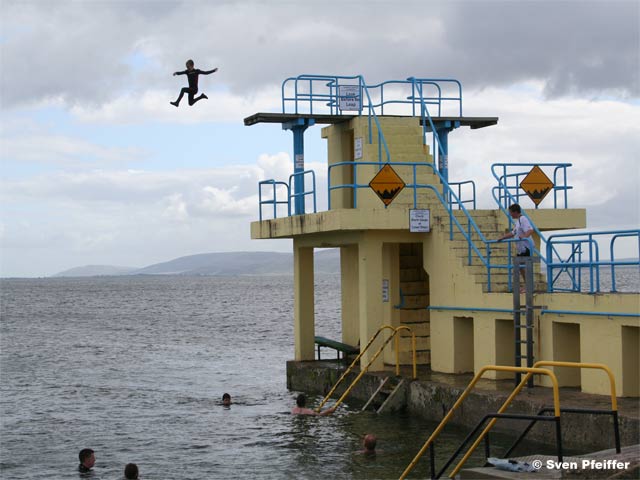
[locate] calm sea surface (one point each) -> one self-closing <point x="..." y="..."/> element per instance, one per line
<point x="134" y="367"/>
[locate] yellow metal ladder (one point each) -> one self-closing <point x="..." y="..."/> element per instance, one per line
<point x="394" y="334"/>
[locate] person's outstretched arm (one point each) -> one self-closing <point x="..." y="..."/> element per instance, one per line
<point x="184" y="72"/>
<point x="326" y="412"/>
<point x="207" y="72"/>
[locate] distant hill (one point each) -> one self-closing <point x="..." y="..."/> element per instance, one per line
<point x="229" y="263"/>
<point x="95" y="271"/>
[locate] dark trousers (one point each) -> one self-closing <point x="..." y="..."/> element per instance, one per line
<point x="191" y="93"/>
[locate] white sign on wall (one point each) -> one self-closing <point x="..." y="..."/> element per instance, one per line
<point x="357" y="148"/>
<point x="349" y="98"/>
<point x="419" y="220"/>
<point x="385" y="290"/>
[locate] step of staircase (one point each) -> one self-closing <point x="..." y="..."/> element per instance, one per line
<point x="419" y="329"/>
<point x="422" y="343"/>
<point x="411" y="317"/>
<point x="414" y="301"/>
<point x="414" y="288"/>
<point x="423" y="357"/>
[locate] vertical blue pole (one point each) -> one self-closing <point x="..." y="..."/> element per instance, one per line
<point x="298" y="126"/>
<point x="443" y="154"/>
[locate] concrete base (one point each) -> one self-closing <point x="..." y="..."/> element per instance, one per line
<point x="433" y="394"/>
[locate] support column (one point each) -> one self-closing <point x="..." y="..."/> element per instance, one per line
<point x="370" y="298"/>
<point x="304" y="320"/>
<point x="349" y="286"/>
<point x="298" y="126"/>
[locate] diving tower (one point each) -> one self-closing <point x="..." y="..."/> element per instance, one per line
<point x="415" y="251"/>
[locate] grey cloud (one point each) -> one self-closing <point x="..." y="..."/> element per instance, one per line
<point x="81" y="52"/>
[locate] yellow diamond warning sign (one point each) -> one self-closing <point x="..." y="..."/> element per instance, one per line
<point x="387" y="184"/>
<point x="536" y="184"/>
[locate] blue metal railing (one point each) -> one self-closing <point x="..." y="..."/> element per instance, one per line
<point x="274" y="198"/>
<point x="459" y="185"/>
<point x="320" y="94"/>
<point x="304" y="193"/>
<point x="583" y="249"/>
<point x="467" y="231"/>
<point x="509" y="190"/>
<point x="584" y="255"/>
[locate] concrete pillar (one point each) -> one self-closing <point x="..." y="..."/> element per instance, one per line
<point x="350" y="303"/>
<point x="370" y="297"/>
<point x="391" y="274"/>
<point x="304" y="321"/>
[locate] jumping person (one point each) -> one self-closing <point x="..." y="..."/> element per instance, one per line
<point x="192" y="75"/>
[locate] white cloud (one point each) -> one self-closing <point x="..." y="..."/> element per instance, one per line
<point x="69" y="196"/>
<point x="65" y="151"/>
<point x="153" y="106"/>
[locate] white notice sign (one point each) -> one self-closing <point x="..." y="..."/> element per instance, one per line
<point x="299" y="162"/>
<point x="357" y="148"/>
<point x="349" y="98"/>
<point x="385" y="290"/>
<point x="419" y="220"/>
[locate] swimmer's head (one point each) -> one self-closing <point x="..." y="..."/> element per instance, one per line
<point x="226" y="399"/>
<point x="369" y="442"/>
<point x="131" y="471"/>
<point x="301" y="400"/>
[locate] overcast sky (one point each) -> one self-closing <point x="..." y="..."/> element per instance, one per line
<point x="98" y="168"/>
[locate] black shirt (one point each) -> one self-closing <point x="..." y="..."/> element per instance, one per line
<point x="192" y="76"/>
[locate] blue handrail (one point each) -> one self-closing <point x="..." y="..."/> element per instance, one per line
<point x="504" y="185"/>
<point x="304" y="193"/>
<point x="472" y="227"/>
<point x="473" y="194"/>
<point x="574" y="263"/>
<point x="274" y="200"/>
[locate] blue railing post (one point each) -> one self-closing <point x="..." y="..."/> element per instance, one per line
<point x="298" y="126"/>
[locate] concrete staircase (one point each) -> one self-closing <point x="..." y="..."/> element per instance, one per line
<point x="414" y="284"/>
<point x="491" y="225"/>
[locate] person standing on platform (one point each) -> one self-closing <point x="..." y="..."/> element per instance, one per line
<point x="522" y="229"/>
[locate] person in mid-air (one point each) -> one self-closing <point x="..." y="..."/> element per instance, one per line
<point x="192" y="75"/>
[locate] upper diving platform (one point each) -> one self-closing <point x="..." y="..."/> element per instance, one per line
<point x="329" y="119"/>
<point x="332" y="99"/>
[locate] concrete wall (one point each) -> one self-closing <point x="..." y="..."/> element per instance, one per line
<point x="433" y="399"/>
<point x="462" y="340"/>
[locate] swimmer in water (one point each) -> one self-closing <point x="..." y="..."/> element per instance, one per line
<point x="300" y="408"/>
<point x="87" y="460"/>
<point x="369" y="444"/>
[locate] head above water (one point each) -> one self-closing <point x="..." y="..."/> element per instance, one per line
<point x="301" y="400"/>
<point x="131" y="471"/>
<point x="369" y="442"/>
<point x="226" y="399"/>
<point x="87" y="457"/>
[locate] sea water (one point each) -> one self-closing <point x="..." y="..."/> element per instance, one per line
<point x="135" y="368"/>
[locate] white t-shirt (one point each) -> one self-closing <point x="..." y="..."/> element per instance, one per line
<point x="521" y="227"/>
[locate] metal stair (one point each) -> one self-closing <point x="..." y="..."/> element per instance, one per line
<point x="489" y="223"/>
<point x="389" y="396"/>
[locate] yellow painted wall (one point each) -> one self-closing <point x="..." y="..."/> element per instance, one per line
<point x="461" y="340"/>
